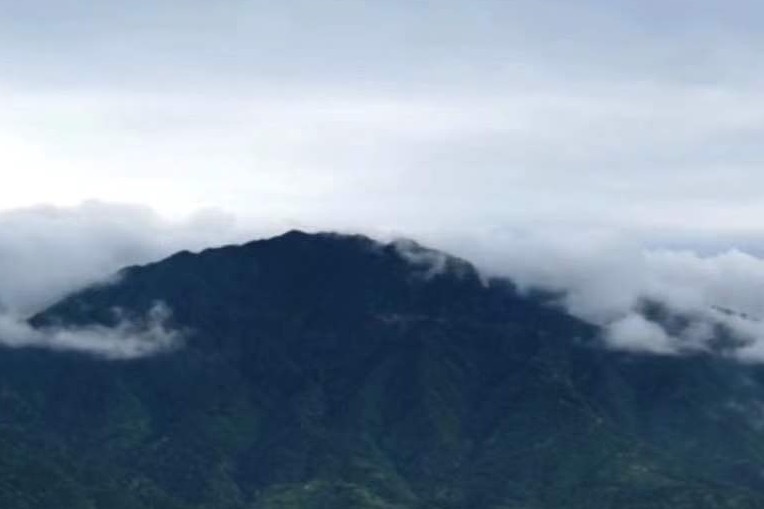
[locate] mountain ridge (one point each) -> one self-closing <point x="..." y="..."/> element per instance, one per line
<point x="333" y="371"/>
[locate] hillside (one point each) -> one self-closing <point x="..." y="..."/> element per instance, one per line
<point x="330" y="371"/>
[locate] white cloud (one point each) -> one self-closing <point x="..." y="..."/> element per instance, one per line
<point x="129" y="339"/>
<point x="626" y="154"/>
<point x="635" y="333"/>
<point x="46" y="252"/>
<point x="606" y="278"/>
<point x="426" y="118"/>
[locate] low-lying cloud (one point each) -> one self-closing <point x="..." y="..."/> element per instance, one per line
<point x="128" y="339"/>
<point x="49" y="252"/>
<point x="604" y="277"/>
<point x="608" y="278"/>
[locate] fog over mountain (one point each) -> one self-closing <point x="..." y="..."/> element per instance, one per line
<point x="48" y="252"/>
<point x="305" y="371"/>
<point x="609" y="150"/>
<point x="397" y="254"/>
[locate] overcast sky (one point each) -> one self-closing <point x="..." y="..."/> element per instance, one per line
<point x="397" y="114"/>
<point x="612" y="149"/>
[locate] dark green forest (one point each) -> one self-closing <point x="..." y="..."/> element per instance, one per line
<point x="330" y="372"/>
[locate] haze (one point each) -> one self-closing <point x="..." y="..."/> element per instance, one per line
<point x="610" y="149"/>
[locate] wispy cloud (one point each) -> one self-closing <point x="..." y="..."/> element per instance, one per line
<point x="630" y="113"/>
<point x="606" y="278"/>
<point x="431" y="119"/>
<point x="129" y="339"/>
<point x="47" y="252"/>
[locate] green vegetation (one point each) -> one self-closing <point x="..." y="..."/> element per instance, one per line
<point x="328" y="372"/>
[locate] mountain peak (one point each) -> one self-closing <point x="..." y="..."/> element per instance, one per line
<point x="327" y="370"/>
<point x="342" y="274"/>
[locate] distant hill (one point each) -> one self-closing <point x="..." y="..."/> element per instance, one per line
<point x="330" y="371"/>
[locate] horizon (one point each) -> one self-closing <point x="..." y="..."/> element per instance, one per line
<point x="640" y="117"/>
<point x="185" y="323"/>
<point x="607" y="150"/>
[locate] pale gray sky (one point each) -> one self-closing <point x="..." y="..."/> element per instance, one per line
<point x="390" y="114"/>
<point x="611" y="149"/>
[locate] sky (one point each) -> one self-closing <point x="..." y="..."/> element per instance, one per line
<point x="630" y="114"/>
<point x="609" y="148"/>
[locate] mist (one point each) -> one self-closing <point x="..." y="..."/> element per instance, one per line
<point x="608" y="278"/>
<point x="48" y="252"/>
<point x="605" y="277"/>
<point x="129" y="339"/>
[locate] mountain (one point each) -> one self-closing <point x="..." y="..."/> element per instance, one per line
<point x="331" y="371"/>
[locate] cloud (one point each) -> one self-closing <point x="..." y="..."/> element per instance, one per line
<point x="604" y="276"/>
<point x="637" y="334"/>
<point x="610" y="279"/>
<point x="625" y="113"/>
<point x="129" y="339"/>
<point x="592" y="116"/>
<point x="663" y="154"/>
<point x="47" y="252"/>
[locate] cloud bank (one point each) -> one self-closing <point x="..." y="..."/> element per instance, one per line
<point x="440" y="116"/>
<point x="604" y="277"/>
<point x="129" y="339"/>
<point x="48" y="252"/>
<point x="614" y="281"/>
